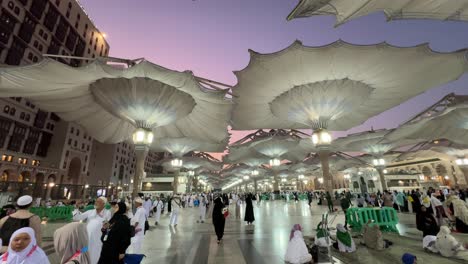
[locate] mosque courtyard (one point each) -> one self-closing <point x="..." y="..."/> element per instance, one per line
<point x="265" y="241"/>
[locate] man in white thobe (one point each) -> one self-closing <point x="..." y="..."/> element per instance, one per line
<point x="94" y="221"/>
<point x="175" y="206"/>
<point x="158" y="204"/>
<point x="202" y="209"/>
<point x="147" y="205"/>
<point x="138" y="221"/>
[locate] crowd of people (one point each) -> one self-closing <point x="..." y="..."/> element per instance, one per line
<point x="101" y="235"/>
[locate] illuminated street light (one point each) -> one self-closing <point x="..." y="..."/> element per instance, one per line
<point x="246" y="177"/>
<point x="320" y="180"/>
<point x="177" y="163"/>
<point x="254" y="173"/>
<point x="275" y="162"/>
<point x="378" y="162"/>
<point x="143" y="137"/>
<point x="283" y="180"/>
<point x="301" y="176"/>
<point x="191" y="173"/>
<point x="462" y="162"/>
<point x="321" y="137"/>
<point x="374" y="178"/>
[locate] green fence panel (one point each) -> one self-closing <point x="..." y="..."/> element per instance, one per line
<point x="60" y="213"/>
<point x="39" y="211"/>
<point x="386" y="218"/>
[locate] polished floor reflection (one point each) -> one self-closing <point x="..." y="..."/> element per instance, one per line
<point x="266" y="240"/>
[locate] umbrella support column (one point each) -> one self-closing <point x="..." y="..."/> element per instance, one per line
<point x="276" y="185"/>
<point x="462" y="181"/>
<point x="175" y="183"/>
<point x="255" y="186"/>
<point x="382" y="179"/>
<point x="141" y="151"/>
<point x="327" y="178"/>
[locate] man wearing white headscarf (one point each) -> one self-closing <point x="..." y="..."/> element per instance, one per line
<point x="71" y="243"/>
<point x="448" y="246"/>
<point x="202" y="208"/>
<point x="94" y="221"/>
<point x="429" y="244"/>
<point x="23" y="249"/>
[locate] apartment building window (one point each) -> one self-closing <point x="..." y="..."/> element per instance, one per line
<point x="82" y="145"/>
<point x="69" y="141"/>
<point x="72" y="130"/>
<point x="17" y="138"/>
<point x="77" y="132"/>
<point x="38" y="8"/>
<point x="16" y="52"/>
<point x="75" y="144"/>
<point x="64" y="165"/>
<point x="6" y="109"/>
<point x="22" y="115"/>
<point x="28" y="117"/>
<point x="87" y="148"/>
<point x="4" y="130"/>
<point x="51" y="18"/>
<point x="27" y="29"/>
<point x="12" y="111"/>
<point x="31" y="141"/>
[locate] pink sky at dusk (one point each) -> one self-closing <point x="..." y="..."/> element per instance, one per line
<point x="212" y="38"/>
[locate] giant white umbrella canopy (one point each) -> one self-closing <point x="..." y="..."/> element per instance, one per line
<point x="346" y="10"/>
<point x="178" y="147"/>
<point x="374" y="143"/>
<point x="308" y="87"/>
<point x="447" y="119"/>
<point x="110" y="102"/>
<point x="324" y="88"/>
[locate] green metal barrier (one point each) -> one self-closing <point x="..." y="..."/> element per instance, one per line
<point x="39" y="211"/>
<point x="54" y="213"/>
<point x="91" y="207"/>
<point x="386" y="218"/>
<point x="60" y="213"/>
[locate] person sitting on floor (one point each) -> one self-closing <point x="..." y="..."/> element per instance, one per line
<point x="373" y="237"/>
<point x="322" y="238"/>
<point x="429" y="244"/>
<point x="297" y="252"/>
<point x="459" y="209"/>
<point x="344" y="241"/>
<point x="448" y="246"/>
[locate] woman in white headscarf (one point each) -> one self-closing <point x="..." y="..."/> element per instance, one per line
<point x="448" y="246"/>
<point x="297" y="252"/>
<point x="345" y="242"/>
<point x="71" y="243"/>
<point x="23" y="249"/>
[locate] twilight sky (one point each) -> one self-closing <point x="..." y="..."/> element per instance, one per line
<point x="212" y="38"/>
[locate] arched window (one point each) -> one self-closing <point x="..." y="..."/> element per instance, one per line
<point x="6" y="109"/>
<point x="12" y="111"/>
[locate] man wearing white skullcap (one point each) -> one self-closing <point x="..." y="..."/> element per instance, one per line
<point x="138" y="221"/>
<point x="21" y="218"/>
<point x="95" y="219"/>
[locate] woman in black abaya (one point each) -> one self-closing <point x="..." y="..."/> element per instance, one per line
<point x="249" y="213"/>
<point x="218" y="218"/>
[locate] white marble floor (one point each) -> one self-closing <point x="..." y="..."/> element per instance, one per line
<point x="266" y="240"/>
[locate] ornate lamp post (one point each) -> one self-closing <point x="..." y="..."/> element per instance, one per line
<point x="379" y="164"/>
<point x="322" y="139"/>
<point x="142" y="138"/>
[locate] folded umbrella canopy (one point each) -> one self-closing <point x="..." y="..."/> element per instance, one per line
<point x="346" y="10"/>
